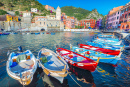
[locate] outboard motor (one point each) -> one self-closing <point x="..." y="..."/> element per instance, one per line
<point x="20" y="49"/>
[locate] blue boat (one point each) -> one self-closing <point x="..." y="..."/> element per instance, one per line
<point x="107" y="46"/>
<point x="105" y="35"/>
<point x="22" y="66"/>
<point x="104" y="58"/>
<point x="4" y="33"/>
<point x="37" y="33"/>
<point x="107" y="42"/>
<point x="52" y="33"/>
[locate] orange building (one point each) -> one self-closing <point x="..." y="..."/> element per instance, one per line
<point x="47" y="7"/>
<point x="87" y="23"/>
<point x="125" y="17"/>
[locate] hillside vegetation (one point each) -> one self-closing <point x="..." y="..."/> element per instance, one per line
<point x="23" y="5"/>
<point x="80" y="13"/>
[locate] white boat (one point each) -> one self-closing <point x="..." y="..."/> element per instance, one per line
<point x="52" y="64"/>
<point x="21" y="66"/>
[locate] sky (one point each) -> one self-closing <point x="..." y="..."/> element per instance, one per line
<point x="102" y="6"/>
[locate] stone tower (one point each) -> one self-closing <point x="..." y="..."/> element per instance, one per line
<point x="58" y="13"/>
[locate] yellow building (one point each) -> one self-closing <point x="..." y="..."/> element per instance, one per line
<point x="8" y="18"/>
<point x="15" y="18"/>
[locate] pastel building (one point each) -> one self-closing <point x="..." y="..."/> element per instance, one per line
<point x="47" y="7"/>
<point x="34" y="10"/>
<point x="70" y="23"/>
<point x="27" y="16"/>
<point x="51" y="17"/>
<point x="125" y="17"/>
<point x="113" y="18"/>
<point x="87" y="23"/>
<point x="8" y="18"/>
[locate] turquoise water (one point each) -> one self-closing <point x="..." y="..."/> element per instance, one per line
<point x="104" y="76"/>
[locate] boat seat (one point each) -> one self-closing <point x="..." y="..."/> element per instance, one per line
<point x="50" y="62"/>
<point x="21" y="57"/>
<point x="23" y="66"/>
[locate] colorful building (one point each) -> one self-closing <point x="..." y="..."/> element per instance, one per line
<point x="8" y="18"/>
<point x="125" y="17"/>
<point x="47" y="7"/>
<point x="113" y="18"/>
<point x="34" y="10"/>
<point x="87" y="23"/>
<point x="69" y="23"/>
<point x="41" y="21"/>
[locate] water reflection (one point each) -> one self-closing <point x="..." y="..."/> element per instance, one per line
<point x="104" y="76"/>
<point x="83" y="75"/>
<point x="49" y="81"/>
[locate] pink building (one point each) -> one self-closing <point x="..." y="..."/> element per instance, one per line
<point x="113" y="17"/>
<point x="70" y="23"/>
<point x="47" y="7"/>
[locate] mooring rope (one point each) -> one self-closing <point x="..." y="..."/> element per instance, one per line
<point x="75" y="81"/>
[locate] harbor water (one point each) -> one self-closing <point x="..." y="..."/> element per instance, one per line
<point x="104" y="76"/>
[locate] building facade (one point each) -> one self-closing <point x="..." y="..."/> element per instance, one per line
<point x="113" y="18"/>
<point x="125" y="17"/>
<point x="47" y="7"/>
<point x="34" y="10"/>
<point x="27" y="16"/>
<point x="87" y="23"/>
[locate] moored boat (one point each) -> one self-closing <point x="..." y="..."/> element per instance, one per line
<point x="77" y="60"/>
<point x="52" y="64"/>
<point x="106" y="46"/>
<point x="103" y="50"/>
<point x="104" y="58"/>
<point x="21" y="66"/>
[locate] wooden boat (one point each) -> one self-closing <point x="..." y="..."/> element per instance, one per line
<point x="4" y="33"/>
<point x="37" y="33"/>
<point x="105" y="35"/>
<point x="102" y="50"/>
<point x="52" y="33"/>
<point x="52" y="64"/>
<point x="77" y="60"/>
<point x="21" y="66"/>
<point x="106" y="46"/>
<point x="104" y="58"/>
<point x="107" y="42"/>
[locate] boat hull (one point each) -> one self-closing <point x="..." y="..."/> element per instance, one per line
<point x="60" y="73"/>
<point x="91" y="66"/>
<point x="16" y="75"/>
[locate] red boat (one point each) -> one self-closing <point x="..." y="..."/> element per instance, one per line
<point x="77" y="60"/>
<point x="103" y="50"/>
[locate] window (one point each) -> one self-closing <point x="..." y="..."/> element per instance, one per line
<point x="118" y="12"/>
<point x="125" y="15"/>
<point x="117" y="17"/>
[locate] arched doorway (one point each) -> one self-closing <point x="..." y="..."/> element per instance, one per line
<point x="42" y="29"/>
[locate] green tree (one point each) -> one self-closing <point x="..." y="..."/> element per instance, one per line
<point x="1" y="4"/>
<point x="2" y="12"/>
<point x="16" y="12"/>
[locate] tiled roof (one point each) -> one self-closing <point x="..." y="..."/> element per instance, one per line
<point x="115" y="9"/>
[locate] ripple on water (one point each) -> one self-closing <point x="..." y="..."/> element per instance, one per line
<point x="104" y="76"/>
